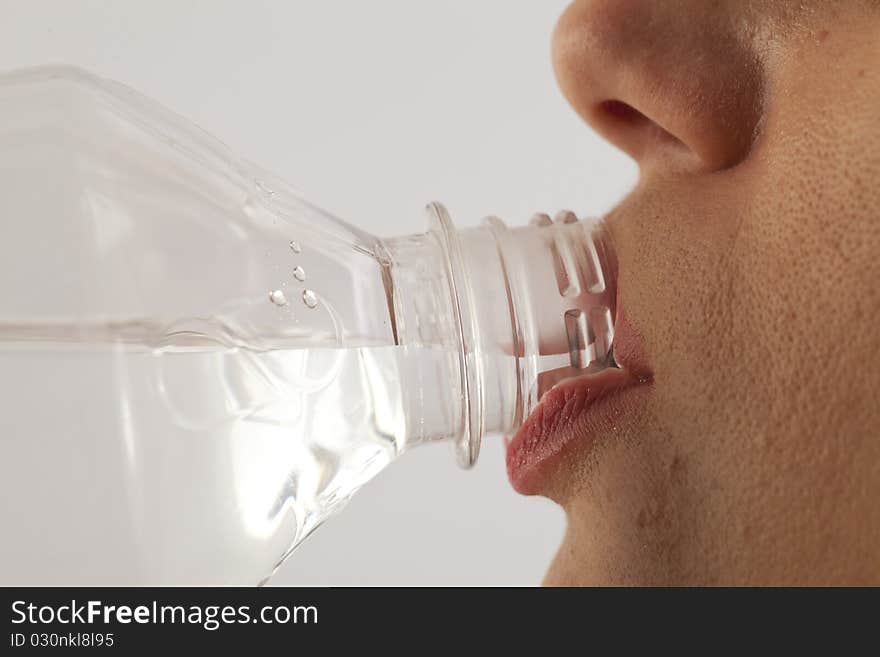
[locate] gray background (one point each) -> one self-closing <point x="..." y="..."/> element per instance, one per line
<point x="371" y="109"/>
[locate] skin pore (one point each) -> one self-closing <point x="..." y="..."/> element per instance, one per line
<point x="749" y="259"/>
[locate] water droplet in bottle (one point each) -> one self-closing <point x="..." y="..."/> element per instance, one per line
<point x="309" y="298"/>
<point x="299" y="273"/>
<point x="277" y="297"/>
<point x="294" y="246"/>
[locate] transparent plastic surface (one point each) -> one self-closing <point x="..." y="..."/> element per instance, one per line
<point x="534" y="305"/>
<point x="197" y="367"/>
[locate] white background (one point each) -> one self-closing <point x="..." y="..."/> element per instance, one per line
<point x="371" y="109"/>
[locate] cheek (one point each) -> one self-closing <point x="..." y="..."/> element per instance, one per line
<point x="755" y="289"/>
<point x="813" y="241"/>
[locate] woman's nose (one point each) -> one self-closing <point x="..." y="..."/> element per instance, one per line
<point x="661" y="78"/>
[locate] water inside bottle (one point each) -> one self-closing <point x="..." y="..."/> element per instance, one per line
<point x="189" y="463"/>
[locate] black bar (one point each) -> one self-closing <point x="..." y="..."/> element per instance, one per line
<point x="330" y="619"/>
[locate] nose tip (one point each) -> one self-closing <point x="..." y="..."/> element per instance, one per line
<point x="659" y="77"/>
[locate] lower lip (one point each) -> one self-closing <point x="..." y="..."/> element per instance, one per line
<point x="576" y="411"/>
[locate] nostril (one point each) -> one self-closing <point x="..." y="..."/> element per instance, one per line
<point x="632" y="129"/>
<point x="621" y="111"/>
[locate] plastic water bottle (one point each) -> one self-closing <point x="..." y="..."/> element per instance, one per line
<point x="197" y="366"/>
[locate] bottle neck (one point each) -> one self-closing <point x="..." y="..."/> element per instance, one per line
<point x="496" y="316"/>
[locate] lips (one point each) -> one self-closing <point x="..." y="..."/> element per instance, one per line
<point x="578" y="411"/>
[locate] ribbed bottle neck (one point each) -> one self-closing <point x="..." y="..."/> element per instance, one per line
<point x="508" y="312"/>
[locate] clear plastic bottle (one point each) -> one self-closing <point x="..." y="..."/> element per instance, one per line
<point x="197" y="367"/>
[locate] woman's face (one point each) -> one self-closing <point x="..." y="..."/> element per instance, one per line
<point x="749" y="289"/>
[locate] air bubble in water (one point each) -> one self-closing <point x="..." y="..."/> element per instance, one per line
<point x="277" y="297"/>
<point x="295" y="247"/>
<point x="299" y="273"/>
<point x="309" y="298"/>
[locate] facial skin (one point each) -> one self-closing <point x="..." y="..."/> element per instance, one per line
<point x="749" y="259"/>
